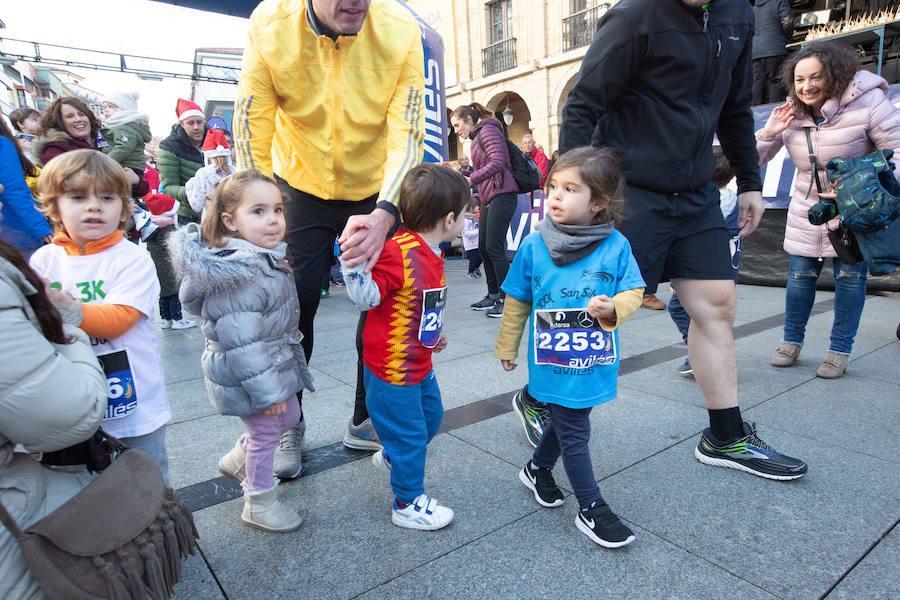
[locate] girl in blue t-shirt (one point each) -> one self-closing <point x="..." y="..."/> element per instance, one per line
<point x="578" y="281"/>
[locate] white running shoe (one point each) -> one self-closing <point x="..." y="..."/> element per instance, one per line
<point x="183" y="324"/>
<point x="381" y="461"/>
<point x="423" y="513"/>
<point x="166" y="323"/>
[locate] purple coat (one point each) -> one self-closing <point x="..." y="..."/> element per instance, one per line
<point x="492" y="174"/>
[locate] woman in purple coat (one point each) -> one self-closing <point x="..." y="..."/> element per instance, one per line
<point x="497" y="191"/>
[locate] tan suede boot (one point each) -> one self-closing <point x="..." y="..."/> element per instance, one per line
<point x="263" y="511"/>
<point x="786" y="354"/>
<point x="833" y="365"/>
<point x="233" y="465"/>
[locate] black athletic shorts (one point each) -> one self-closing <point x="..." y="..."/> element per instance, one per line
<point x="677" y="234"/>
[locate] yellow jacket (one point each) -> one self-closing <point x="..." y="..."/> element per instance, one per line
<point x="339" y="120"/>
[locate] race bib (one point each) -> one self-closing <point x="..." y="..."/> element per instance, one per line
<point x="432" y="323"/>
<point x="571" y="338"/>
<point x="121" y="397"/>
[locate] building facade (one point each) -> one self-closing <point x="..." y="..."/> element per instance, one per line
<point x="516" y="57"/>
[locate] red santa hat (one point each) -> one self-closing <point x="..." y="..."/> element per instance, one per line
<point x="161" y="205"/>
<point x="215" y="144"/>
<point x="186" y="109"/>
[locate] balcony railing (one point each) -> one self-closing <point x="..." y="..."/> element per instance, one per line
<point x="498" y="57"/>
<point x="578" y="29"/>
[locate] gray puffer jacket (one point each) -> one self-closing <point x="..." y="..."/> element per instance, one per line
<point x="247" y="299"/>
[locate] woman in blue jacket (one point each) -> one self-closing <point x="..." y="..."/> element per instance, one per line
<point x="23" y="226"/>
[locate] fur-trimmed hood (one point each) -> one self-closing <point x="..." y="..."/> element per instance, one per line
<point x="220" y="270"/>
<point x="60" y="141"/>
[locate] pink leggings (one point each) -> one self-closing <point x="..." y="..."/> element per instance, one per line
<point x="263" y="433"/>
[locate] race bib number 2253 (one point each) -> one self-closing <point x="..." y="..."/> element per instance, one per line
<point x="571" y="338"/>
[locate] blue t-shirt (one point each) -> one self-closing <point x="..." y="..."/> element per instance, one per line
<point x="579" y="361"/>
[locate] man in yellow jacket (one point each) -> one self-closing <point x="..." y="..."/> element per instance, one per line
<point x="330" y="102"/>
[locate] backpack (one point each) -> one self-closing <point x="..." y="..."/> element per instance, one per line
<point x="868" y="195"/>
<point x="525" y="171"/>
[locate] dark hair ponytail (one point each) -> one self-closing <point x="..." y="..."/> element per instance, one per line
<point x="48" y="317"/>
<point x="474" y="111"/>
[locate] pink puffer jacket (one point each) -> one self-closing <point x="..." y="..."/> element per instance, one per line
<point x="861" y="121"/>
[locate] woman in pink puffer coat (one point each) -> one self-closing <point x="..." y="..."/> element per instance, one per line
<point x="847" y="113"/>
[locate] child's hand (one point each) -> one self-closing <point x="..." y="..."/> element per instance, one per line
<point x="276" y="409"/>
<point x="59" y="296"/>
<point x="601" y="307"/>
<point x="442" y="343"/>
<point x="508" y="365"/>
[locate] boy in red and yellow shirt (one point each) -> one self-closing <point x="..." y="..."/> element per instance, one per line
<point x="405" y="295"/>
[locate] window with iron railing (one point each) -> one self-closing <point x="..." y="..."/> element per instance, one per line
<point x="498" y="57"/>
<point x="578" y="28"/>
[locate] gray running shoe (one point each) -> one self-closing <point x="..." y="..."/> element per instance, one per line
<point x="289" y="454"/>
<point x="362" y="436"/>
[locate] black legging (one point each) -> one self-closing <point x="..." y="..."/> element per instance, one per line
<point x="492" y="228"/>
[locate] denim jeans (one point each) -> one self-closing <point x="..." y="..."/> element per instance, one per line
<point x="567" y="435"/>
<point x="260" y="442"/>
<point x="406" y="418"/>
<point x="849" y="297"/>
<point x="154" y="444"/>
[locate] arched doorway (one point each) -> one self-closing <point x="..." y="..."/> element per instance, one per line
<point x="564" y="95"/>
<point x="514" y="113"/>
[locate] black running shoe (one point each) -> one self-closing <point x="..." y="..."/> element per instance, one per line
<point x="540" y="482"/>
<point x="749" y="454"/>
<point x="485" y="303"/>
<point x="603" y="527"/>
<point x="535" y="415"/>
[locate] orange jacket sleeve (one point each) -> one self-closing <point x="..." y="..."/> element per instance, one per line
<point x="108" y="320"/>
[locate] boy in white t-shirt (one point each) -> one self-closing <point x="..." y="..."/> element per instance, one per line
<point x="113" y="285"/>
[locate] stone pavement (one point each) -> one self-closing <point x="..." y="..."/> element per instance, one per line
<point x="701" y="531"/>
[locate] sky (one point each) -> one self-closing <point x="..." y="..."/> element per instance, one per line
<point x="138" y="27"/>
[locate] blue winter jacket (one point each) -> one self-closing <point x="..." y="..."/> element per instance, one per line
<point x="22" y="225"/>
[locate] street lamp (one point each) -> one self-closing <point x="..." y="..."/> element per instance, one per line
<point x="507" y="115"/>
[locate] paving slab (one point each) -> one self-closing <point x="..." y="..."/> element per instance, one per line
<point x="197" y="581"/>
<point x="871" y="578"/>
<point x="543" y="555"/>
<point x="878" y="365"/>
<point x="188" y="400"/>
<point x="347" y="543"/>
<point x="822" y="409"/>
<point x="182" y="366"/>
<point x="196" y="446"/>
<point x="793" y="539"/>
<point x="622" y="433"/>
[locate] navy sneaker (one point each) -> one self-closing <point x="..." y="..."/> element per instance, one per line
<point x="603" y="527"/>
<point x="685" y="368"/>
<point x="750" y="454"/>
<point x="540" y="482"/>
<point x="485" y="303"/>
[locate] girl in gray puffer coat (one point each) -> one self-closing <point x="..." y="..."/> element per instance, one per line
<point x="240" y="284"/>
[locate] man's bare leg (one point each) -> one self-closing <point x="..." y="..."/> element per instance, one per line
<point x="728" y="442"/>
<point x="711" y="306"/>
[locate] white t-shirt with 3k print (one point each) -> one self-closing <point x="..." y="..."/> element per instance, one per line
<point x="122" y="274"/>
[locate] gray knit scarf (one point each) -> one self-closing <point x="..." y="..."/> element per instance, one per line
<point x="571" y="243"/>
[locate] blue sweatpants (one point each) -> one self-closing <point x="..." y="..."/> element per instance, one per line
<point x="406" y="417"/>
